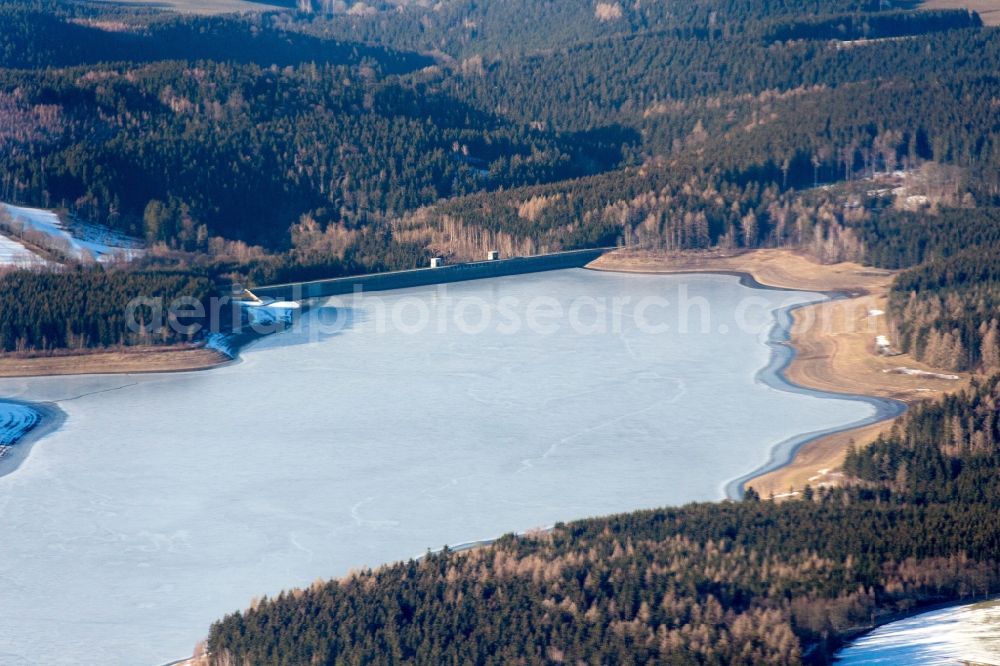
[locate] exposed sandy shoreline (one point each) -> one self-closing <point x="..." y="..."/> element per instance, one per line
<point x="833" y="340"/>
<point x="132" y="360"/>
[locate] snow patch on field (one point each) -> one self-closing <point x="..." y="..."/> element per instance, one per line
<point x="913" y="372"/>
<point x="82" y="241"/>
<point x="13" y="253"/>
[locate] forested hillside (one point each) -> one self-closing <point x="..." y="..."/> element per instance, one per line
<point x="732" y="97"/>
<point x="703" y="190"/>
<point x="46" y="33"/>
<point x="522" y="26"/>
<point x="779" y="121"/>
<point x="751" y="582"/>
<point x="946" y="310"/>
<point x="244" y="151"/>
<point x="945" y="451"/>
<point x="624" y="79"/>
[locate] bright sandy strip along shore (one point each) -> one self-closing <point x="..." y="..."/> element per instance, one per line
<point x="834" y="343"/>
<point x="132" y="360"/>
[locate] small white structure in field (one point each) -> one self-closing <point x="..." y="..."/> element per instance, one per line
<point x="492" y="255"/>
<point x="875" y="313"/>
<point x="882" y="345"/>
<point x="437" y="262"/>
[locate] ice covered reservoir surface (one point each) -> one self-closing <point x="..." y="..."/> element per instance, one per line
<point x="82" y="241"/>
<point x="960" y="634"/>
<point x="166" y="501"/>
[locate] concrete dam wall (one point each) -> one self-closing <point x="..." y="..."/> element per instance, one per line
<point x="420" y="277"/>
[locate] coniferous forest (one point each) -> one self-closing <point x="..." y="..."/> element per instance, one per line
<point x="335" y="138"/>
<point x="90" y="308"/>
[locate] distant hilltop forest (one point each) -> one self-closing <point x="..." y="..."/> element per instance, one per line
<point x="329" y="138"/>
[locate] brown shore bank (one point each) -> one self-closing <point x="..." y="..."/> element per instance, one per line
<point x="123" y="361"/>
<point x="835" y="343"/>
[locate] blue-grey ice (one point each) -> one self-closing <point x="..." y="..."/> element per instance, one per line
<point x="166" y="501"/>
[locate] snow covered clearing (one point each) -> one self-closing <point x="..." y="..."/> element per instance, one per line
<point x="13" y="253"/>
<point x="80" y="241"/>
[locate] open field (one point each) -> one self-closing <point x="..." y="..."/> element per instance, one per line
<point x="202" y="6"/>
<point x="139" y="359"/>
<point x="834" y="343"/>
<point x="989" y="10"/>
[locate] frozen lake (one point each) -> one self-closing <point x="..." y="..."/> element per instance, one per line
<point x="166" y="501"/>
<point x="960" y="634"/>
